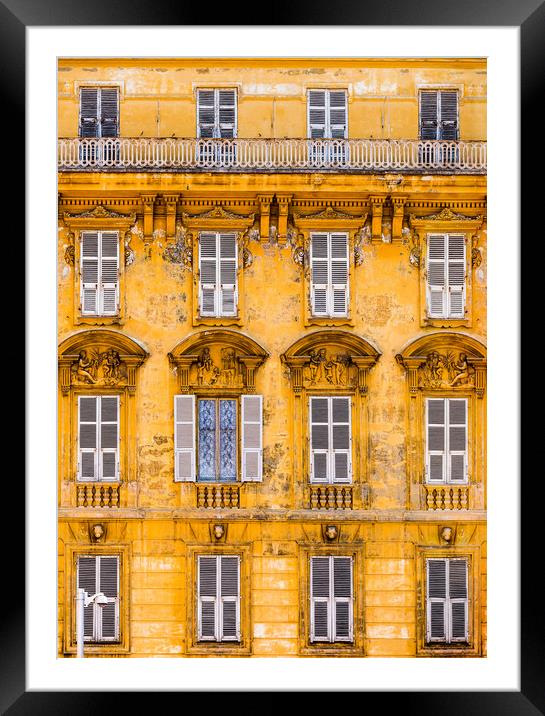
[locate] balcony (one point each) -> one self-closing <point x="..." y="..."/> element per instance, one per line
<point x="331" y="497"/>
<point x="447" y="498"/>
<point x="272" y="155"/>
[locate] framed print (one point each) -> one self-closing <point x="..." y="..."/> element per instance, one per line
<point x="207" y="454"/>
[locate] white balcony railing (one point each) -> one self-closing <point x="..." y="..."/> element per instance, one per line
<point x="272" y="155"/>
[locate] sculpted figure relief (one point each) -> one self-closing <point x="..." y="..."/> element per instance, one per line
<point x="104" y="367"/>
<point x="206" y="368"/>
<point x="444" y="371"/>
<point x="331" y="369"/>
<point x="85" y="368"/>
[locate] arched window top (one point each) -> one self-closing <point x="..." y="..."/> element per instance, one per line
<point x="323" y="359"/>
<point x="214" y="359"/>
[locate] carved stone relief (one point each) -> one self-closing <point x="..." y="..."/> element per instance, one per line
<point x="95" y="367"/>
<point x="445" y="371"/>
<point x="331" y="369"/>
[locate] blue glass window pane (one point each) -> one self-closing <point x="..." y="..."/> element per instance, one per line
<point x="207" y="440"/>
<point x="228" y="440"/>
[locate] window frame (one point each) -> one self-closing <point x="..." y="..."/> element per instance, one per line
<point x="330" y="452"/>
<point x="219" y="636"/>
<point x="439" y="90"/>
<point x="447" y="479"/>
<point x="238" y="435"/>
<point x="98" y="449"/>
<point x="330" y="312"/>
<point x="99" y="87"/>
<point x="218" y="299"/>
<point x="332" y="601"/>
<point x="447" y="313"/>
<point x="97" y="609"/>
<point x="217" y="124"/>
<point x="100" y="284"/>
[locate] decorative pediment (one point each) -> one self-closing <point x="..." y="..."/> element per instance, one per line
<point x="446" y="220"/>
<point x="328" y="218"/>
<point x="445" y="361"/>
<point x="99" y="218"/>
<point x="330" y="359"/>
<point x="101" y="359"/>
<point x="219" y="359"/>
<point x="217" y="219"/>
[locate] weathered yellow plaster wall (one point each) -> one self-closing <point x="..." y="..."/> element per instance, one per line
<point x="158" y="521"/>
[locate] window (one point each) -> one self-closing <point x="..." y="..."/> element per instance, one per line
<point x="446" y="440"/>
<point x="447" y="600"/>
<point x="206" y="438"/>
<point x="446" y="276"/>
<point x="329" y="280"/>
<point x="331" y="599"/>
<point x="439" y="114"/>
<point x="330" y="440"/>
<point x="216" y="113"/>
<point x="100" y="574"/>
<point x="327" y="114"/>
<point x="99" y="291"/>
<point x="218" y="274"/>
<point x="99" y="112"/>
<point x="218" y="598"/>
<point x="98" y="421"/>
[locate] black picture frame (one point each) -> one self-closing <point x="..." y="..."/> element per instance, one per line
<point x="529" y="16"/>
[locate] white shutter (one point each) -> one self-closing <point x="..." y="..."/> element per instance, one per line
<point x="320" y="274"/>
<point x="337" y="114"/>
<point x="317" y="110"/>
<point x="342" y="599"/>
<point x="252" y="438"/>
<point x="206" y="114"/>
<point x="218" y="585"/>
<point x="340" y="440"/>
<point x="319" y="439"/>
<point x="88" y="422"/>
<point x="216" y="113"/>
<point x="107" y="616"/>
<point x="87" y="580"/>
<point x="331" y="599"/>
<point x="320" y="599"/>
<point x="435" y="440"/>
<point x="184" y="438"/>
<point x="208" y="274"/>
<point x="457" y="440"/>
<point x="227" y="113"/>
<point x="90" y="251"/>
<point x="447" y="600"/>
<point x="436" y="275"/>
<point x="109" y="273"/>
<point x="456" y="276"/>
<point x="436" y="607"/>
<point x="109" y="437"/>
<point x="229" y="598"/>
<point x="207" y="581"/>
<point x="339" y="275"/>
<point x="227" y="278"/>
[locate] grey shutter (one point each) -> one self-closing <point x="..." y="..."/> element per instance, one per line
<point x="320" y="599"/>
<point x="207" y="581"/>
<point x="457" y="440"/>
<point x="456" y="276"/>
<point x="184" y="438"/>
<point x="88" y="117"/>
<point x="341" y="467"/>
<point x="435" y="440"/>
<point x="319" y="439"/>
<point x="88" y="421"/>
<point x="109" y="273"/>
<point x="206" y="114"/>
<point x="436" y="617"/>
<point x="208" y="274"/>
<point x="436" y="275"/>
<point x="109" y="112"/>
<point x="227" y="113"/>
<point x="428" y="115"/>
<point x="342" y="599"/>
<point x="448" y="119"/>
<point x="227" y="274"/>
<point x="458" y="600"/>
<point x="90" y="272"/>
<point x="229" y="598"/>
<point x="320" y="274"/>
<point x="107" y="616"/>
<point x="87" y="580"/>
<point x="317" y="108"/>
<point x="337" y="114"/>
<point x="339" y="274"/>
<point x="109" y="437"/>
<point x="252" y="438"/>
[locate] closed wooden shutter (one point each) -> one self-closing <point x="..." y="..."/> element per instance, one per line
<point x="456" y="276"/>
<point x="439" y="114"/>
<point x="337" y="114"/>
<point x="208" y="274"/>
<point x="446" y="437"/>
<point x="100" y="273"/>
<point x="329" y="279"/>
<point x="227" y="279"/>
<point x="330" y="440"/>
<point x="317" y="113"/>
<point x="447" y="600"/>
<point x="88" y="438"/>
<point x="99" y="112"/>
<point x="437" y="300"/>
<point x="327" y="114"/>
<point x="457" y="440"/>
<point x="435" y="440"/>
<point x="252" y="438"/>
<point x="331" y="599"/>
<point x="100" y="574"/>
<point x="109" y="437"/>
<point x="218" y="598"/>
<point x="218" y="274"/>
<point x="216" y="113"/>
<point x="184" y="438"/>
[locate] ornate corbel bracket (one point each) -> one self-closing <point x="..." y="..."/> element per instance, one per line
<point x="283" y="210"/>
<point x="398" y="207"/>
<point x="171" y="203"/>
<point x="377" y="207"/>
<point x="70" y="250"/>
<point x="148" y="202"/>
<point x="363" y="364"/>
<point x="181" y="250"/>
<point x="265" y="201"/>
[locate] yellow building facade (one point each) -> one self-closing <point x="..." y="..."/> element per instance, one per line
<point x="272" y="356"/>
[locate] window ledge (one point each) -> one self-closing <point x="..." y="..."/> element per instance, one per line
<point x="446" y="322"/>
<point x="329" y="321"/>
<point x="336" y="649"/>
<point x="98" y="320"/>
<point x="218" y="321"/>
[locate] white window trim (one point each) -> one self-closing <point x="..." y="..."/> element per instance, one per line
<point x="446" y="289"/>
<point x="219" y="600"/>
<point x="216" y="89"/>
<point x="218" y="313"/>
<point x="327" y="125"/>
<point x="98" y="449"/>
<point x="447" y="602"/>
<point x="100" y="284"/>
<point x="330" y="286"/>
<point x="330" y="452"/>
<point x="446" y="452"/>
<point x="331" y="602"/>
